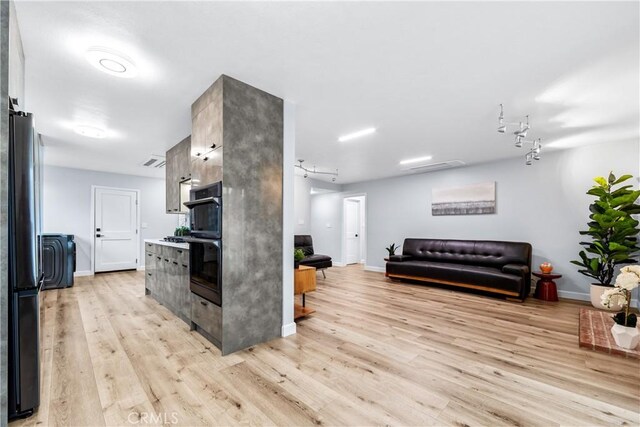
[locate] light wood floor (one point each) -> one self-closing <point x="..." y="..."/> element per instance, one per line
<point x="375" y="353"/>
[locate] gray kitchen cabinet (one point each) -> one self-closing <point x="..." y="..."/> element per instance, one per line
<point x="206" y="317"/>
<point x="167" y="278"/>
<point x="177" y="170"/>
<point x="206" y="137"/>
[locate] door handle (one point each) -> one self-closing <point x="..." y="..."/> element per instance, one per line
<point x="356" y="235"/>
<point x="98" y="235"/>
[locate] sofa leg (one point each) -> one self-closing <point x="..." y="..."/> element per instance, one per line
<point x="324" y="276"/>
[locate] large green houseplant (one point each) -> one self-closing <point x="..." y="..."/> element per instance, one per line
<point x="613" y="232"/>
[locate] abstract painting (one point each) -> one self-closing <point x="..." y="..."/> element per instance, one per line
<point x="473" y="199"/>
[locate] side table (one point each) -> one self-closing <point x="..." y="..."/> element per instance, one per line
<point x="304" y="281"/>
<point x="546" y="288"/>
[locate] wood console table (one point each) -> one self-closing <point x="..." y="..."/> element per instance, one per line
<point x="304" y="281"/>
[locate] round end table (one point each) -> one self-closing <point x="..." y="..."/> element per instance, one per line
<point x="546" y="288"/>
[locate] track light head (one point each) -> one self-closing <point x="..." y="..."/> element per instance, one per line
<point x="502" y="129"/>
<point x="519" y="141"/>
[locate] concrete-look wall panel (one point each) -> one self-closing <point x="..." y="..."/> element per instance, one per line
<point x="252" y="216"/>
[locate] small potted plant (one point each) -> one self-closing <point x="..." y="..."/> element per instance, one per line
<point x="612" y="232"/>
<point x="298" y="255"/>
<point x="181" y="231"/>
<point x="624" y="330"/>
<point x="392" y="249"/>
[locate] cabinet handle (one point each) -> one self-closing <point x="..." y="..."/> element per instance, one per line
<point x="175" y="263"/>
<point x="148" y="274"/>
<point x="149" y="255"/>
<point x="182" y="178"/>
<point x="213" y="145"/>
<point x="179" y="251"/>
<point x="203" y="303"/>
<point x="185" y="266"/>
<point x="159" y="258"/>
<point x="166" y="260"/>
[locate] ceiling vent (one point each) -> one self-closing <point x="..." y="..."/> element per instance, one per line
<point x="154" y="161"/>
<point x="431" y="167"/>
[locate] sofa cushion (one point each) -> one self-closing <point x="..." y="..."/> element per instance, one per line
<point x="457" y="273"/>
<point x="304" y="242"/>
<point x="315" y="258"/>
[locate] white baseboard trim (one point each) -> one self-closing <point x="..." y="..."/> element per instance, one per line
<point x="140" y="268"/>
<point x="338" y="264"/>
<point x="374" y="268"/>
<point x="82" y="273"/>
<point x="581" y="296"/>
<point x="289" y="329"/>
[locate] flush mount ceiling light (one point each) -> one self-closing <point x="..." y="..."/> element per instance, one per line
<point x="415" y="160"/>
<point x="522" y="127"/>
<point x="357" y="134"/>
<point x="90" y="131"/>
<point x="111" y="62"/>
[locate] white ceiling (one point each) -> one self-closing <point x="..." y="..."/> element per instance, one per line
<point x="428" y="76"/>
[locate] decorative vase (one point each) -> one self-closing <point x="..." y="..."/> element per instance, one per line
<point x="546" y="267"/>
<point x="296" y="264"/>
<point x="596" y="298"/>
<point x="625" y="336"/>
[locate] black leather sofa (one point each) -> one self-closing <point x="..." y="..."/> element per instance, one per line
<point x="501" y="268"/>
<point x="312" y="259"/>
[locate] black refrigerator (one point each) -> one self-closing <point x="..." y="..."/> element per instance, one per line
<point x="25" y="265"/>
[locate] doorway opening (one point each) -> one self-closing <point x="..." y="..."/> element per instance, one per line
<point x="115" y="225"/>
<point x="354" y="237"/>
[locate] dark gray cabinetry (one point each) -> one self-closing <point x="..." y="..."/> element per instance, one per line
<point x="206" y="317"/>
<point x="177" y="170"/>
<point x="206" y="136"/>
<point x="167" y="278"/>
<point x="59" y="260"/>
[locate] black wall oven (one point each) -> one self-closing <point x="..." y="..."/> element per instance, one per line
<point x="205" y="268"/>
<point x="205" y="205"/>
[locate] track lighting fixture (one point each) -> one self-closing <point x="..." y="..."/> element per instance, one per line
<point x="307" y="171"/>
<point x="522" y="128"/>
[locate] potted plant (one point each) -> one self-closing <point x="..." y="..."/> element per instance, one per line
<point x="613" y="233"/>
<point x="624" y="329"/>
<point x="181" y="231"/>
<point x="298" y="255"/>
<point x="392" y="249"/>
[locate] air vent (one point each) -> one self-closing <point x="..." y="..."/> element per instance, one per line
<point x="154" y="161"/>
<point x="435" y="166"/>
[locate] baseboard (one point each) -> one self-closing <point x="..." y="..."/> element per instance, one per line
<point x="289" y="329"/>
<point x="82" y="273"/>
<point x="338" y="264"/>
<point x="581" y="296"/>
<point x="374" y="268"/>
<point x="140" y="268"/>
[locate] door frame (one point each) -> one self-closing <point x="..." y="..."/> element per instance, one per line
<point x="93" y="223"/>
<point x="363" y="240"/>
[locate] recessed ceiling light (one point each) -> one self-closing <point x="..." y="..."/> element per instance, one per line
<point x="357" y="134"/>
<point x="90" y="131"/>
<point x="111" y="62"/>
<point x="416" y="160"/>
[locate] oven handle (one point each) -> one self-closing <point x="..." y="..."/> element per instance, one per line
<point x="199" y="240"/>
<point x="193" y="203"/>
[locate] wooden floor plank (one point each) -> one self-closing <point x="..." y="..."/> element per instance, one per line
<point x="376" y="352"/>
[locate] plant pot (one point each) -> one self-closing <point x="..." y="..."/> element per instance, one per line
<point x="596" y="298"/>
<point x="296" y="264"/>
<point x="625" y="336"/>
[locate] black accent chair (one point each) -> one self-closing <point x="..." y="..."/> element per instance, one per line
<point x="311" y="259"/>
<point x="501" y="268"/>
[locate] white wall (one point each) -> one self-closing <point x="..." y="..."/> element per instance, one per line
<point x="544" y="204"/>
<point x="288" y="215"/>
<point x="67" y="206"/>
<point x="326" y="225"/>
<point x="302" y="205"/>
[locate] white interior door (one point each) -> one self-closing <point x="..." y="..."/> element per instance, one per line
<point x="352" y="229"/>
<point x="116" y="234"/>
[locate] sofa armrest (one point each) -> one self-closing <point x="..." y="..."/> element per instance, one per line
<point x="516" y="269"/>
<point x="399" y="258"/>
